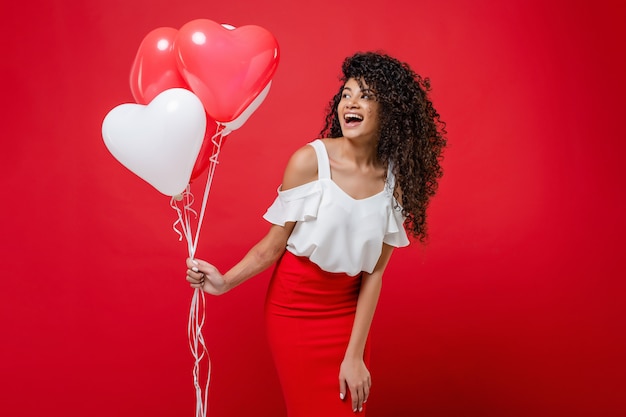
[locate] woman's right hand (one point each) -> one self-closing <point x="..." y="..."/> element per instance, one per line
<point x="203" y="275"/>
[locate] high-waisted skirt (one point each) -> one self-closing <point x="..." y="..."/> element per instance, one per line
<point x="309" y="317"/>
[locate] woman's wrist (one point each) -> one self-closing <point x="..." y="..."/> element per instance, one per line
<point x="354" y="354"/>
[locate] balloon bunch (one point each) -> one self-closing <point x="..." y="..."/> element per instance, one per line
<point x="183" y="81"/>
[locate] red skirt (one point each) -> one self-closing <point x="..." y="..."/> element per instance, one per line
<point x="309" y="316"/>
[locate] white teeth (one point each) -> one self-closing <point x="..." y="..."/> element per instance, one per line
<point x="353" y="116"/>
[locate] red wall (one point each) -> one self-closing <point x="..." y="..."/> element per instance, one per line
<point x="515" y="308"/>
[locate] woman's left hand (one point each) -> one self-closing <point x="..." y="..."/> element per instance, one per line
<point x="354" y="375"/>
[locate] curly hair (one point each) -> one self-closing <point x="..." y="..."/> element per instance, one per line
<point x="412" y="136"/>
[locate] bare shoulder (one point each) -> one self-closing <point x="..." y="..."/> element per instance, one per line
<point x="301" y="168"/>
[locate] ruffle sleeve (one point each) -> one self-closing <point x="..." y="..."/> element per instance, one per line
<point x="296" y="204"/>
<point x="395" y="235"/>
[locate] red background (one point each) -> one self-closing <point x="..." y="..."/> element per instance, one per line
<point x="515" y="308"/>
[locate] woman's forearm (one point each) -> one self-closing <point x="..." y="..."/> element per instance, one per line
<point x="366" y="306"/>
<point x="262" y="255"/>
<point x="256" y="261"/>
<point x="369" y="294"/>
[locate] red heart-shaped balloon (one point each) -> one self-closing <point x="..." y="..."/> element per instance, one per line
<point x="226" y="68"/>
<point x="155" y="68"/>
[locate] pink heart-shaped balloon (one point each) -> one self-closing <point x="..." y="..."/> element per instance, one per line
<point x="155" y="68"/>
<point x="226" y="68"/>
<point x="159" y="142"/>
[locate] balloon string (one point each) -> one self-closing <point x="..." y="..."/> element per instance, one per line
<point x="198" y="350"/>
<point x="183" y="215"/>
<point x="196" y="321"/>
<point x="189" y="200"/>
<point x="214" y="160"/>
<point x="179" y="221"/>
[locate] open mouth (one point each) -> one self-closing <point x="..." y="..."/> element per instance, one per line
<point x="352" y="119"/>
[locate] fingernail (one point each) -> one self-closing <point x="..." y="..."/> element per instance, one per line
<point x="341" y="395"/>
<point x="360" y="409"/>
<point x="194" y="269"/>
<point x="354" y="411"/>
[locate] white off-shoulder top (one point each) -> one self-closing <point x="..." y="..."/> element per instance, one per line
<point x="334" y="230"/>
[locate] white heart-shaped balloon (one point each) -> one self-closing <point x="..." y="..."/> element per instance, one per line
<point x="158" y="142"/>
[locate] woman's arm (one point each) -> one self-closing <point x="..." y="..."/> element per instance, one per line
<point x="353" y="373"/>
<point x="301" y="168"/>
<point x="202" y="274"/>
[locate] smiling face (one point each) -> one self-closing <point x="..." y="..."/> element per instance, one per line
<point x="358" y="111"/>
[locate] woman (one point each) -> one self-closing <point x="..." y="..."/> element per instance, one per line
<point x="344" y="204"/>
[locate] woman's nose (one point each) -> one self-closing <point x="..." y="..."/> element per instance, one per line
<point x="351" y="102"/>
